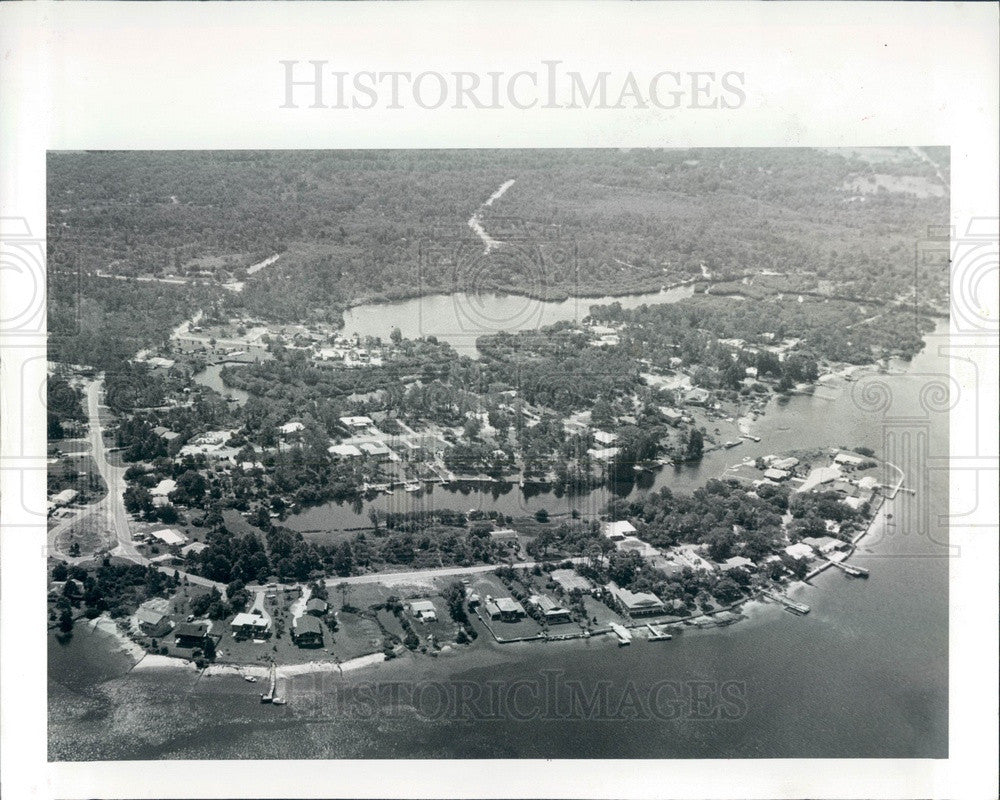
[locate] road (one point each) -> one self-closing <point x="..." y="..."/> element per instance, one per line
<point x="112" y="507"/>
<point x="422" y="575"/>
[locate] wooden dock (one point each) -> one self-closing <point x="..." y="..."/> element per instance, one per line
<point x="787" y="602"/>
<point x="850" y="569"/>
<point x="624" y="634"/>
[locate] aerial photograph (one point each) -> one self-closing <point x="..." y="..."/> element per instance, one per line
<point x="498" y="453"/>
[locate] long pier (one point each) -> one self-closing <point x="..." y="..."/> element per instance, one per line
<point x="787" y="602"/>
<point x="850" y="569"/>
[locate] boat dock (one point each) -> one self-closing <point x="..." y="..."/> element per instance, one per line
<point x="657" y="635"/>
<point x="623" y="634"/>
<point x="787" y="602"/>
<point x="268" y="696"/>
<point x="850" y="569"/>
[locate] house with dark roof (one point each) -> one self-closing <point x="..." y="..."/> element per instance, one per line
<point x="307" y="631"/>
<point x="316" y="606"/>
<point x="151" y="622"/>
<point x="192" y="634"/>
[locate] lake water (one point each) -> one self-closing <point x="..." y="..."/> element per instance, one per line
<point x="211" y="377"/>
<point x="865" y="674"/>
<point x="460" y="318"/>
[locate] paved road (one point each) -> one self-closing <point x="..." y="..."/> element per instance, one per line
<point x="428" y="574"/>
<point x="114" y="515"/>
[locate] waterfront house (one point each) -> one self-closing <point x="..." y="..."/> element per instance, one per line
<point x="316" y="606"/>
<point x="636" y="604"/>
<point x="307" y="631"/>
<point x="616" y="531"/>
<point x="250" y="625"/>
<point x="553" y="613"/>
<point x="151" y="622"/>
<point x="785" y="463"/>
<point x="192" y="634"/>
<point x="506" y="609"/>
<point x="818" y="477"/>
<point x="850" y="459"/>
<point x="423" y="610"/>
<point x="868" y="484"/>
<point x="800" y="550"/>
<point x="824" y="544"/>
<point x="775" y="474"/>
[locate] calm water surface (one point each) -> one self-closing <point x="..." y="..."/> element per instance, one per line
<point x="865" y="674"/>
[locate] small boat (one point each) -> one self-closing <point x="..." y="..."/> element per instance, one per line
<point x="412" y="487"/>
<point x="249" y="679"/>
<point x="279" y="701"/>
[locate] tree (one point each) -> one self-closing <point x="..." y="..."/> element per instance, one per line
<point x="695" y="445"/>
<point x="542" y="515"/>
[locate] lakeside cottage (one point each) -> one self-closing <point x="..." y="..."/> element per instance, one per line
<point x="192" y="634"/>
<point x="636" y="604"/>
<point x="307" y="631"/>
<point x="152" y="622"/>
<point x="505" y="609"/>
<point x="553" y="613"/>
<point x="251" y="625"/>
<point x="800" y="550"/>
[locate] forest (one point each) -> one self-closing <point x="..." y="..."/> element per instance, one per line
<point x="359" y="225"/>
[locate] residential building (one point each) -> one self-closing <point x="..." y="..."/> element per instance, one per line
<point x="423" y="610"/>
<point x="506" y="609"/>
<point x="356" y="422"/>
<point x="553" y="613"/>
<point x="192" y="634"/>
<point x="636" y="604"/>
<point x="152" y="622"/>
<point x="616" y="531"/>
<point x="570" y="579"/>
<point x="507" y="536"/>
<point x="251" y="625"/>
<point x="169" y="536"/>
<point x="800" y="550"/>
<point x="738" y="562"/>
<point x="317" y="606"/>
<point x="344" y="451"/>
<point x="774" y="474"/>
<point x="307" y="631"/>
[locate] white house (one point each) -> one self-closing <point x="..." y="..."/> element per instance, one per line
<point x="616" y="531"/>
